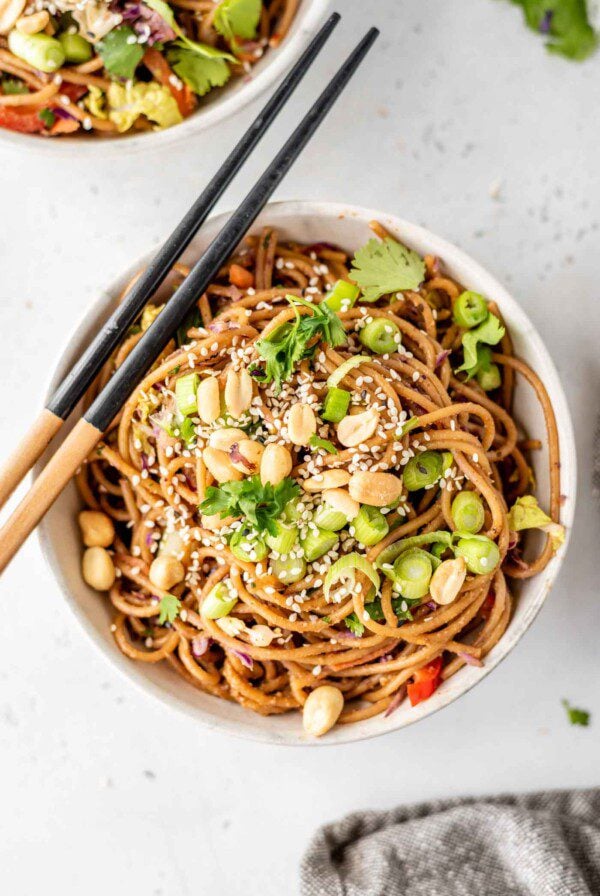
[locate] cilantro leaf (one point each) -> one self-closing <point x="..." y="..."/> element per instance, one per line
<point x="381" y="267"/>
<point x="166" y="13"/>
<point x="566" y="23"/>
<point x="316" y="442"/>
<point x="261" y="505"/>
<point x="576" y="716"/>
<point x="289" y="343"/>
<point x="400" y="605"/>
<point x="201" y="73"/>
<point x="47" y="117"/>
<point x="12" y="87"/>
<point x="238" y="18"/>
<point x="121" y="52"/>
<point x="489" y="332"/>
<point x="169" y="608"/>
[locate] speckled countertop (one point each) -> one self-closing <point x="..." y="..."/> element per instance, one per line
<point x="460" y="121"/>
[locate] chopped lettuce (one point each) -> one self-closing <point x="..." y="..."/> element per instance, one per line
<point x="385" y="266"/>
<point x="95" y="102"/>
<point x="149" y="315"/>
<point x="527" y="514"/>
<point x="127" y="102"/>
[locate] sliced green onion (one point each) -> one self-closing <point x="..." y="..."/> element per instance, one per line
<point x="75" y="47"/>
<point x="41" y="51"/>
<point x="341" y="296"/>
<point x="480" y="553"/>
<point x="412" y="573"/>
<point x="338" y="375"/>
<point x="284" y="540"/>
<point x="411" y="423"/>
<point x="470" y="309"/>
<point x="315" y="544"/>
<point x="422" y="470"/>
<point x="345" y="569"/>
<point x="489" y="378"/>
<point x="327" y="518"/>
<point x="370" y="526"/>
<point x="218" y="602"/>
<point x="438" y="549"/>
<point x="291" y="513"/>
<point x="468" y="513"/>
<point x="380" y="335"/>
<point x="288" y="571"/>
<point x="447" y="461"/>
<point x="389" y="554"/>
<point x="248" y="546"/>
<point x="186" y="388"/>
<point x="317" y="442"/>
<point x="335" y="406"/>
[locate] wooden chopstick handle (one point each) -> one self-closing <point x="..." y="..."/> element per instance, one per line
<point x="28" y="451"/>
<point x="46" y="488"/>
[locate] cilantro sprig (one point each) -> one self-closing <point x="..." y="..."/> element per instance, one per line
<point x="382" y="267"/>
<point x="120" y="51"/>
<point x="291" y="342"/>
<point x="261" y="505"/>
<point x="168" y="609"/>
<point x="237" y="18"/>
<point x="490" y="332"/>
<point x="566" y="24"/>
<point x="400" y="605"/>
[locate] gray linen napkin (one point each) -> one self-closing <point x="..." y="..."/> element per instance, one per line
<point x="538" y="844"/>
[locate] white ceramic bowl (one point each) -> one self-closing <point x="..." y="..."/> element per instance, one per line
<point x="216" y="106"/>
<point x="348" y="227"/>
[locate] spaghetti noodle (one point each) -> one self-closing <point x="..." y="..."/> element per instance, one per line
<point x="267" y="542"/>
<point x="110" y="66"/>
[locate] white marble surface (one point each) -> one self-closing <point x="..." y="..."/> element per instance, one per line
<point x="459" y="120"/>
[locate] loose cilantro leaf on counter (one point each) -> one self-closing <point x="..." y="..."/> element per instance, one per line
<point x="566" y="24"/>
<point x="289" y="343"/>
<point x="238" y="18"/>
<point x="381" y="267"/>
<point x="576" y="716"/>
<point x="261" y="505"/>
<point x="201" y="73"/>
<point x="121" y="52"/>
<point x="168" y="609"/>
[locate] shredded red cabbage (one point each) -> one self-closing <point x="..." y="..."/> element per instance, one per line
<point x="441" y="358"/>
<point x="470" y="660"/>
<point x="395" y="702"/>
<point x="244" y="659"/>
<point x="146" y="23"/>
<point x="200" y="645"/>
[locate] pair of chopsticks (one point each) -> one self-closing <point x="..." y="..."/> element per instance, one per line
<point x="89" y="429"/>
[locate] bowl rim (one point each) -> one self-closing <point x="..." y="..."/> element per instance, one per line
<point x="470" y="675"/>
<point x="224" y="106"/>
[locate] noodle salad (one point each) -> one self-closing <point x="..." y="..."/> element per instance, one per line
<point x="116" y="66"/>
<point x="316" y="500"/>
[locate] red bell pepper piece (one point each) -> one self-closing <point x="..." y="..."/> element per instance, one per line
<point x="24" y="119"/>
<point x="425" y="682"/>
